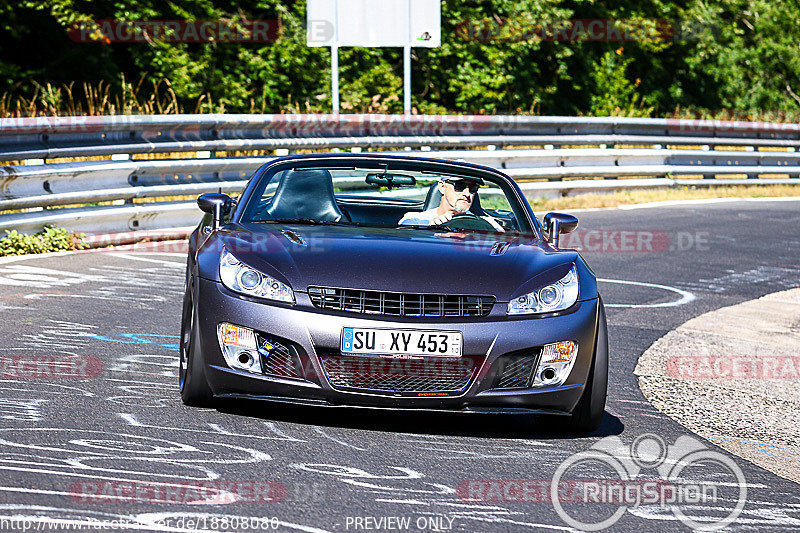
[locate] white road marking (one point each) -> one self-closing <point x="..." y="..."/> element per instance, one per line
<point x="686" y="296"/>
<point x="442" y="489"/>
<point x="274" y="428"/>
<point x="496" y="520"/>
<point x="131" y="420"/>
<point x="156" y="517"/>
<point x="337" y="441"/>
<point x="42" y="278"/>
<point x="347" y="471"/>
<point x="229" y="496"/>
<point x="704" y="201"/>
<point x="409" y="502"/>
<point x="148" y="260"/>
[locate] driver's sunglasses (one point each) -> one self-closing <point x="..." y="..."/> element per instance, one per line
<point x="460" y="185"/>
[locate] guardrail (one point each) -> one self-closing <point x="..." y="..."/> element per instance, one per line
<point x="50" y="137"/>
<point x="721" y="149"/>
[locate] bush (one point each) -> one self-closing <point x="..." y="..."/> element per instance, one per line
<point x="50" y="239"/>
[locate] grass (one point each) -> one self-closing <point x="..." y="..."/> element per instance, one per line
<point x="157" y="97"/>
<point x="103" y="98"/>
<point x="615" y="199"/>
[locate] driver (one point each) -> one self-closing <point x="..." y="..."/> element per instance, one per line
<point x="457" y="197"/>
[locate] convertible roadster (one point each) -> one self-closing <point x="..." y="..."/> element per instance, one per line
<point x="391" y="282"/>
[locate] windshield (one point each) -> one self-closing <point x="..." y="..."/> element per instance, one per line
<point x="400" y="198"/>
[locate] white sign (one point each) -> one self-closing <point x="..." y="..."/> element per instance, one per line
<point x="374" y="23"/>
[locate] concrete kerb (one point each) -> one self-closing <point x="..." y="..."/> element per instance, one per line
<point x="731" y="376"/>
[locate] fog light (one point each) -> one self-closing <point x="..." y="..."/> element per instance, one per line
<point x="246" y="359"/>
<point x="239" y="347"/>
<point x="548" y="374"/>
<point x="555" y="364"/>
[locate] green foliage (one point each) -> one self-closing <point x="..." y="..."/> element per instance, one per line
<point x="615" y="94"/>
<point x="50" y="239"/>
<point x="735" y="55"/>
<point x="747" y="53"/>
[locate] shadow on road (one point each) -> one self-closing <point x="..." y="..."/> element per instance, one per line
<point x="480" y="425"/>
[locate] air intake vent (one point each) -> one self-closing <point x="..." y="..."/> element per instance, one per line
<point x="279" y="358"/>
<point x="516" y="370"/>
<point x="400" y="304"/>
<point x="388" y="375"/>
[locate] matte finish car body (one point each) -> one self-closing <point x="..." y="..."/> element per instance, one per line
<point x="501" y="352"/>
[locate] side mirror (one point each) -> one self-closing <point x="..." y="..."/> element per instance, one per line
<point x="214" y="204"/>
<point x="556" y="224"/>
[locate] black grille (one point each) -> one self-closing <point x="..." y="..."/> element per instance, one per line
<point x="398" y="303"/>
<point x="516" y="371"/>
<point x="279" y="358"/>
<point x="392" y="375"/>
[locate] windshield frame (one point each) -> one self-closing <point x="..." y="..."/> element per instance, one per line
<point x="519" y="205"/>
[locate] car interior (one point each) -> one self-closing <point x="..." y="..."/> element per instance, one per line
<point x="310" y="194"/>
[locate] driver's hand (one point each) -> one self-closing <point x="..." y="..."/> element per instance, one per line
<point x="441" y="219"/>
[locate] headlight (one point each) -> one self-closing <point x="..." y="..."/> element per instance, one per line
<point x="556" y="297"/>
<point x="239" y="277"/>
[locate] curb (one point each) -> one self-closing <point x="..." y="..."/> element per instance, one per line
<point x="731" y="376"/>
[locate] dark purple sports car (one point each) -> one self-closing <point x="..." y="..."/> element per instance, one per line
<point x="391" y="282"/>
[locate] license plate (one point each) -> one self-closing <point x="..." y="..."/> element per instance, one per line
<point x="401" y="342"/>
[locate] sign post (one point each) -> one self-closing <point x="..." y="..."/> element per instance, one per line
<point x="371" y="23"/>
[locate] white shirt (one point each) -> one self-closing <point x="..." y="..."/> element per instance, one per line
<point x="425" y="218"/>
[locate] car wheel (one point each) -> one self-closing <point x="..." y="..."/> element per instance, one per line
<point x="588" y="413"/>
<point x="191" y="373"/>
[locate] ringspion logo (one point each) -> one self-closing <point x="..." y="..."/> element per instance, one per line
<point x="591" y="490"/>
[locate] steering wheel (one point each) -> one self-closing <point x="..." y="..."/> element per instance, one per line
<point x="468" y="221"/>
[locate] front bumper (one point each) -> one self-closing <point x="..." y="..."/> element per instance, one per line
<point x="315" y="332"/>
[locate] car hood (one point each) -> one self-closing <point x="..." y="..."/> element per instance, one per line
<point x="395" y="260"/>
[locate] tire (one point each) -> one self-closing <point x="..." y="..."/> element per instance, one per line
<point x="191" y="371"/>
<point x="588" y="413"/>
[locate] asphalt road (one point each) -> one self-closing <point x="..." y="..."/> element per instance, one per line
<point x="119" y="445"/>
